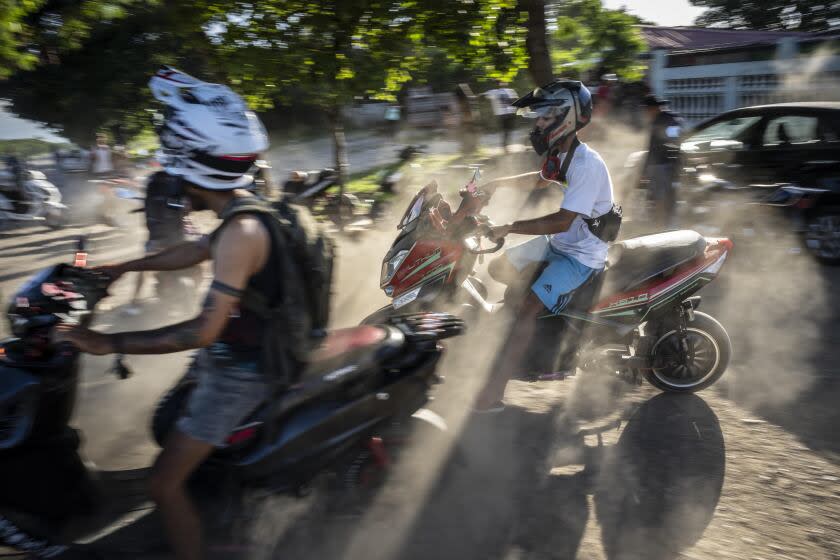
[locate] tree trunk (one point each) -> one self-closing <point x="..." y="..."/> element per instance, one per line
<point x="339" y="146"/>
<point x="539" y="59"/>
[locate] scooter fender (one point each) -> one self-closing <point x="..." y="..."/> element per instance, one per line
<point x="315" y="436"/>
<point x="19" y="393"/>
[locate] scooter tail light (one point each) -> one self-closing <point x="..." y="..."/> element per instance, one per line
<point x="80" y="260"/>
<point x="718" y="244"/>
<point x="726" y="243"/>
<point x="242" y="434"/>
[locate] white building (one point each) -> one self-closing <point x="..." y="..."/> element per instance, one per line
<point x="704" y="72"/>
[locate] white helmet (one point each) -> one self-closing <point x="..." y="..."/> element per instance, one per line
<point x="567" y="100"/>
<point x="208" y="135"/>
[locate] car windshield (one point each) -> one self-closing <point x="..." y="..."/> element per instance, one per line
<point x="721" y="133"/>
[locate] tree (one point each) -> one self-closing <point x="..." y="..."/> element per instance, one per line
<point x="330" y="53"/>
<point x="96" y="76"/>
<point x="590" y="37"/>
<point x="95" y="56"/>
<point x="13" y="34"/>
<point x="539" y="57"/>
<point x="779" y="15"/>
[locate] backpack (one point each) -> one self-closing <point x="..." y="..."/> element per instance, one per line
<point x="296" y="322"/>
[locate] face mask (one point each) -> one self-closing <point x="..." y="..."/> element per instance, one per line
<point x="538" y="141"/>
<point x="539" y="138"/>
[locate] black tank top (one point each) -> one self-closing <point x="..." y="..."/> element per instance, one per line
<point x="244" y="328"/>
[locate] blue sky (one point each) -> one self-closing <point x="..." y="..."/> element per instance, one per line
<point x="662" y="12"/>
<point x="13" y="127"/>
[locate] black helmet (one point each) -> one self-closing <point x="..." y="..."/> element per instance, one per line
<point x="567" y="100"/>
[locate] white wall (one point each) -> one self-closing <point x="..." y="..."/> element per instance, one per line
<point x="703" y="91"/>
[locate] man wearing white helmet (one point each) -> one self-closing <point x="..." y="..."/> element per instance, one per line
<point x="568" y="240"/>
<point x="209" y="142"/>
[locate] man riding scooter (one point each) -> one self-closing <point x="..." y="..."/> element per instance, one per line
<point x="209" y="143"/>
<point x="570" y="241"/>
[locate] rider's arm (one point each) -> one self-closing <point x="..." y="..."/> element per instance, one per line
<point x="241" y="251"/>
<point x="525" y="180"/>
<point x="182" y="255"/>
<point x="558" y="222"/>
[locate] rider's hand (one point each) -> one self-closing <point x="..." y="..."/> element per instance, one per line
<point x="497" y="233"/>
<point x="84" y="339"/>
<point x="113" y="271"/>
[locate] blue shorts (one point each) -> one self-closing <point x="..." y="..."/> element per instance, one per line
<point x="562" y="276"/>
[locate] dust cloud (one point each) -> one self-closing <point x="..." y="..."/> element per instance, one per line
<point x="772" y="297"/>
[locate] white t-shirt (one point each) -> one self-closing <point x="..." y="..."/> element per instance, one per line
<point x="501" y="99"/>
<point x="102" y="159"/>
<point x="589" y="193"/>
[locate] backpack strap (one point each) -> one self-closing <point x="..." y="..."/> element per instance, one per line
<point x="567" y="161"/>
<point x="252" y="299"/>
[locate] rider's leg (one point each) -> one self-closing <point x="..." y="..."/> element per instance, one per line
<point x="550" y="293"/>
<point x="167" y="487"/>
<point x="502" y="270"/>
<point x="228" y="390"/>
<point x="510" y="357"/>
<point x="510" y="267"/>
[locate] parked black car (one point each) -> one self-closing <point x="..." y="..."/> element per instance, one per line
<point x="785" y="155"/>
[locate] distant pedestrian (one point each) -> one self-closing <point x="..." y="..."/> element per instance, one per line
<point x="101" y="162"/>
<point x="392" y="119"/>
<point x="468" y="130"/>
<point x="662" y="160"/>
<point x="500" y="99"/>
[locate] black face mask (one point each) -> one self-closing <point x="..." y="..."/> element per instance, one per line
<point x="539" y="138"/>
<point x="538" y="141"/>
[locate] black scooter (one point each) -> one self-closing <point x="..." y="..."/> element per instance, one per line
<point x="348" y="411"/>
<point x="392" y="175"/>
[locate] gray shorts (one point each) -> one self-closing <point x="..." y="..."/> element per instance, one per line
<point x="228" y="391"/>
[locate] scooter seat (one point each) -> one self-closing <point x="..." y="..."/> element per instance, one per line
<point x="353" y="344"/>
<point x="636" y="260"/>
<point x="347" y="356"/>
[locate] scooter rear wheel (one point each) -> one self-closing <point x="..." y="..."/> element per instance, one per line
<point x="679" y="369"/>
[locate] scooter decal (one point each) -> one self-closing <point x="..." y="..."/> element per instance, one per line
<point x="627" y="302"/>
<point x="423" y="262"/>
<point x="432" y="273"/>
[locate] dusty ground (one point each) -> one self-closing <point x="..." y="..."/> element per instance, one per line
<point x="748" y="469"/>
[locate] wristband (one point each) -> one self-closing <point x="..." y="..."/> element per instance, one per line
<point x="118" y="343"/>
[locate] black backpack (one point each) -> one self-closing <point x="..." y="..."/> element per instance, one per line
<point x="296" y="321"/>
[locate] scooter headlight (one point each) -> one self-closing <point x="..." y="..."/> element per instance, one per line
<point x="389" y="268"/>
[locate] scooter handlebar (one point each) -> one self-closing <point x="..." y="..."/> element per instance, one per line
<point x="497" y="247"/>
<point x="483" y="230"/>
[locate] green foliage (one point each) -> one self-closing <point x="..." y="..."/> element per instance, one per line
<point x="28" y="147"/>
<point x="14" y="33"/>
<point x="101" y="82"/>
<point x="590" y="37"/>
<point x="796" y="15"/>
<point x="83" y="66"/>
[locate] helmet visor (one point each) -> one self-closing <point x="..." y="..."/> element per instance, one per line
<point x="545" y="111"/>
